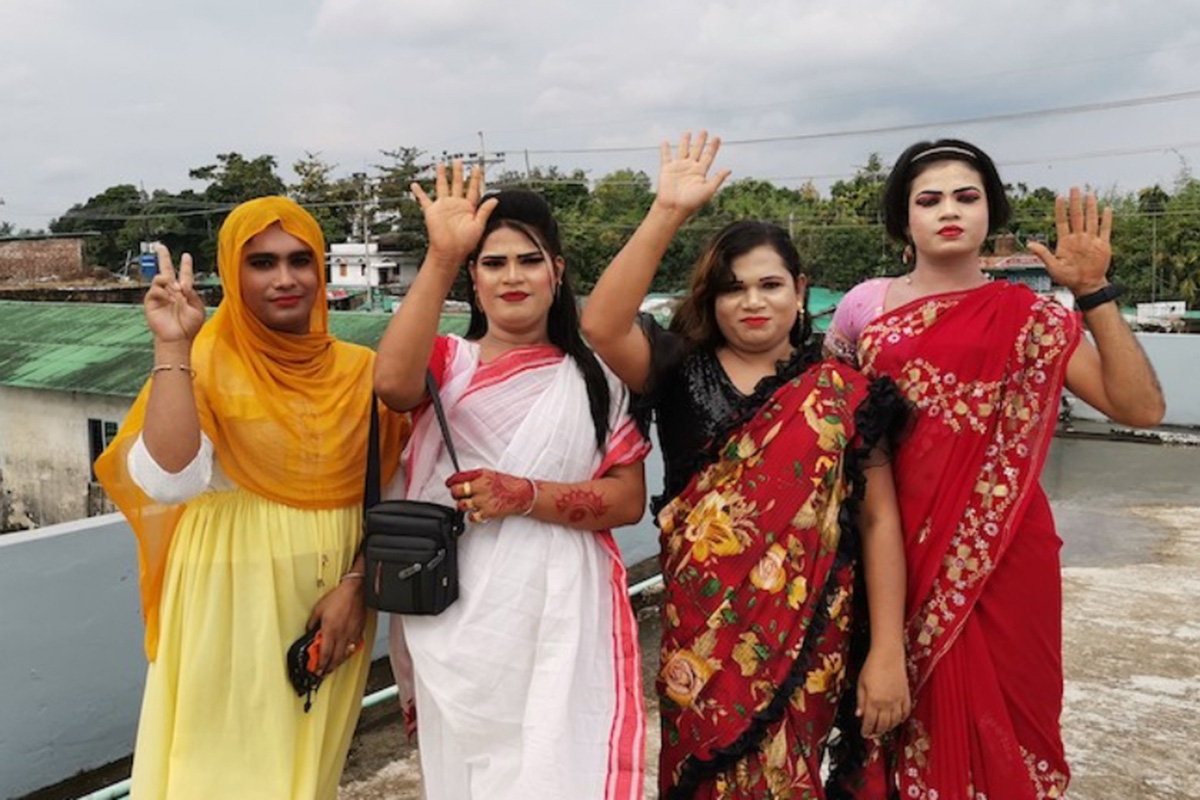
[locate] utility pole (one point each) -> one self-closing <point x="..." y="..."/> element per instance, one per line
<point x="366" y="239"/>
<point x="1154" y="257"/>
<point x="481" y="159"/>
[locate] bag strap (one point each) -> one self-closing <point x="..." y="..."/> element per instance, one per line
<point x="374" y="489"/>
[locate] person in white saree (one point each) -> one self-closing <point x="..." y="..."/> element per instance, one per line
<point x="529" y="686"/>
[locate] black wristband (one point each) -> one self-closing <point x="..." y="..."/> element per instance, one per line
<point x="1099" y="297"/>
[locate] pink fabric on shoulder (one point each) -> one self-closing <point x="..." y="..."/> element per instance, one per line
<point x="861" y="304"/>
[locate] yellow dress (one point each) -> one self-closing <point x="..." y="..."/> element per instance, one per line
<point x="219" y="717"/>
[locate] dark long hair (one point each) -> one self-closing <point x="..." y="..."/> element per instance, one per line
<point x="695" y="319"/>
<point x="525" y="211"/>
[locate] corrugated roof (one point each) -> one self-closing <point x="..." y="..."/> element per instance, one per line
<point x="106" y="349"/>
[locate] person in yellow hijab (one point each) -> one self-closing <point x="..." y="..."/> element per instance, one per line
<point x="240" y="468"/>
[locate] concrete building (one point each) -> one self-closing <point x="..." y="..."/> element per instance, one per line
<point x="26" y="259"/>
<point x="1007" y="264"/>
<point x="362" y="265"/>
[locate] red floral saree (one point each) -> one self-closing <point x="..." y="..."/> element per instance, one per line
<point x="759" y="565"/>
<point x="985" y="370"/>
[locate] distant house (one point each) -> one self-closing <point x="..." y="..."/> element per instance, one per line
<point x="68" y="374"/>
<point x="361" y="265"/>
<point x="28" y="259"/>
<point x="1007" y="264"/>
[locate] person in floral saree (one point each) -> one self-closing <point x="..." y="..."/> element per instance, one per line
<point x="767" y="457"/>
<point x="984" y="364"/>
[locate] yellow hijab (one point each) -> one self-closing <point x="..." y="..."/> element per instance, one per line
<point x="287" y="413"/>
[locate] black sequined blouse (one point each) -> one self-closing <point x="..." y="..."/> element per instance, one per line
<point x="691" y="399"/>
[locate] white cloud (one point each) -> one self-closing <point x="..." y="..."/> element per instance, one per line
<point x="93" y="94"/>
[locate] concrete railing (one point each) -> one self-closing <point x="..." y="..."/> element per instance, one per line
<point x="72" y="667"/>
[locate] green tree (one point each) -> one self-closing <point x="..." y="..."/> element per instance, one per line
<point x="336" y="203"/>
<point x="235" y="179"/>
<point x="107" y="217"/>
<point x="843" y="240"/>
<point x="1179" y="236"/>
<point x="861" y="198"/>
<point x="564" y="191"/>
<point x="397" y="217"/>
<point x="594" y="233"/>
<point x="1032" y="213"/>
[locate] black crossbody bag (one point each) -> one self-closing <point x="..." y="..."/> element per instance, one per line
<point x="410" y="547"/>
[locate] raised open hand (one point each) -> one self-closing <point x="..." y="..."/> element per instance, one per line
<point x="1082" y="255"/>
<point x="174" y="311"/>
<point x="684" y="184"/>
<point x="455" y="219"/>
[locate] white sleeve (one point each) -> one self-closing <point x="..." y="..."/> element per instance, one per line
<point x="170" y="488"/>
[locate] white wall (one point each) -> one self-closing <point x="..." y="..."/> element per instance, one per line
<point x="45" y="463"/>
<point x="72" y="668"/>
<point x="1176" y="359"/>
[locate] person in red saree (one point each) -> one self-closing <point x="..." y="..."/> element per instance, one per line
<point x="984" y="363"/>
<point x="770" y="498"/>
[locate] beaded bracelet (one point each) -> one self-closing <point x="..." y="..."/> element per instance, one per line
<point x="157" y="368"/>
<point x="532" y="502"/>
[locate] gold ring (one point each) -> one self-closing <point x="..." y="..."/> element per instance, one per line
<point x="469" y="503"/>
<point x="466" y="487"/>
<point x="477" y="516"/>
<point x="350" y="648"/>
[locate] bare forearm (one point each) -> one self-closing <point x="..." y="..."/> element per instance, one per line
<point x="883" y="564"/>
<point x="591" y="506"/>
<point x="1130" y="385"/>
<point x="616" y="498"/>
<point x="613" y="305"/>
<point x="883" y="558"/>
<point x="408" y="341"/>
<point x="172" y="428"/>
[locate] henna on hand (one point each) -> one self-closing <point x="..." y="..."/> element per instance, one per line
<point x="494" y="494"/>
<point x="512" y="495"/>
<point x="578" y="504"/>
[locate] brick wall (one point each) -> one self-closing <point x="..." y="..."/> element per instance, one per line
<point x="33" y="259"/>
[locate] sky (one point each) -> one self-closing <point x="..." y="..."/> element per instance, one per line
<point x="95" y="93"/>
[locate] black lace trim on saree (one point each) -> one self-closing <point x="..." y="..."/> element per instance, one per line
<point x="880" y="419"/>
<point x="643" y="408"/>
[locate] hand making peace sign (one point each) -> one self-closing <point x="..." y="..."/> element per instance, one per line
<point x="174" y="311"/>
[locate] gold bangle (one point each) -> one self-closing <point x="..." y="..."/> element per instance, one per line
<point x="157" y="368"/>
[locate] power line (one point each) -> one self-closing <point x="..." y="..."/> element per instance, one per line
<point x="1085" y="108"/>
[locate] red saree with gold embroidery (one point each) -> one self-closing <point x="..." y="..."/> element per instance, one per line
<point x="985" y="370"/>
<point x="760" y="574"/>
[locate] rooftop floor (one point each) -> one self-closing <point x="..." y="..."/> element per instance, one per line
<point x="1129" y="516"/>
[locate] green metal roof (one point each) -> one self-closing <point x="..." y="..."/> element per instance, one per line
<point x="106" y="349"/>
